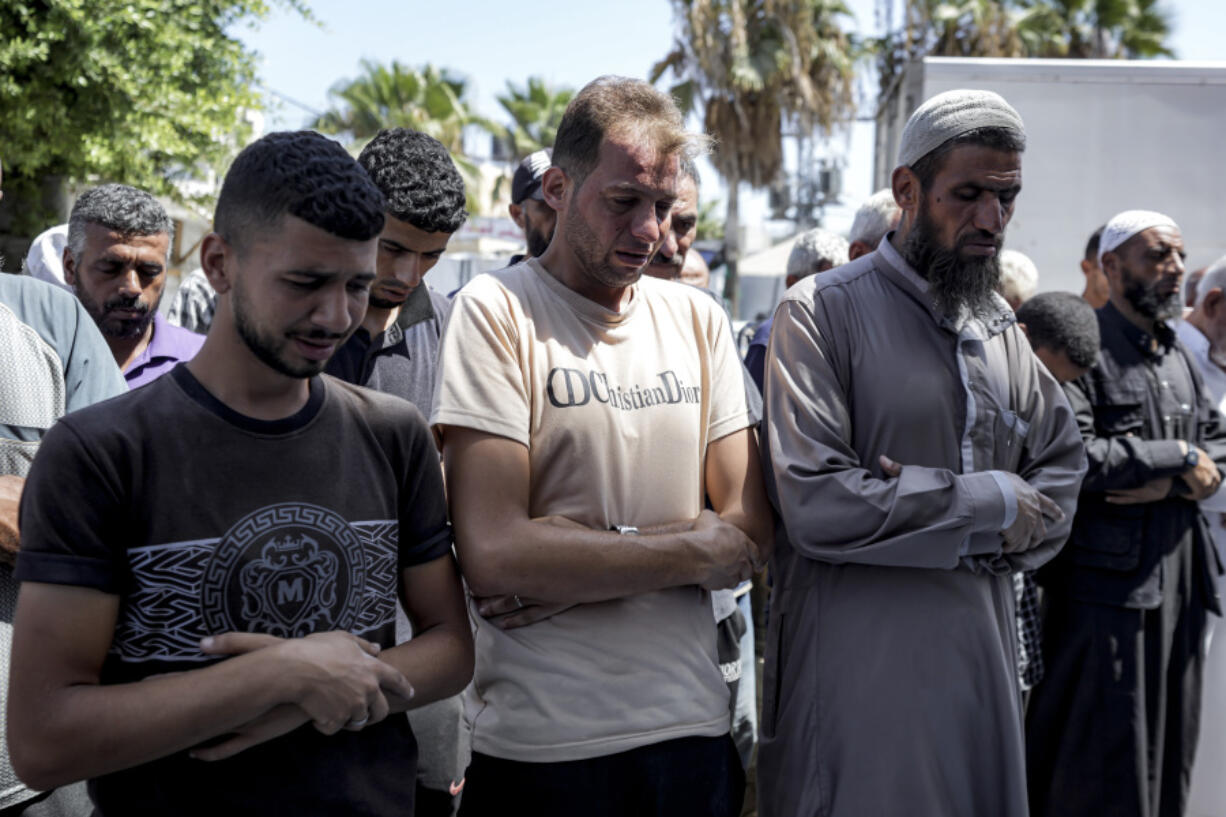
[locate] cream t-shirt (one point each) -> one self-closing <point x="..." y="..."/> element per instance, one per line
<point x="617" y="410"/>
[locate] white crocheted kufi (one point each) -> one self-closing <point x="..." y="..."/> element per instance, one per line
<point x="950" y="115"/>
<point x="1126" y="225"/>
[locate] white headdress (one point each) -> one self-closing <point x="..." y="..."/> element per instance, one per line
<point x="1127" y="224"/>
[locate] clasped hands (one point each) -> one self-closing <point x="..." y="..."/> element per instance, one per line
<point x="731" y="557"/>
<point x="338" y="683"/>
<point x="1034" y="511"/>
<point x="1199" y="483"/>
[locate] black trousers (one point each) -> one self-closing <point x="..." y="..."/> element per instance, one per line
<point x="1112" y="728"/>
<point x="698" y="777"/>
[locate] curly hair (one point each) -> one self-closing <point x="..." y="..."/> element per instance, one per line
<point x="418" y="179"/>
<point x="1062" y="322"/>
<point x="305" y="175"/>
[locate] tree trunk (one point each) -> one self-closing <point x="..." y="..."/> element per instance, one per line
<point x="732" y="246"/>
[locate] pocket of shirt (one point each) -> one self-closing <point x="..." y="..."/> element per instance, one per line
<point x="1110" y="540"/>
<point x="1010" y="435"/>
<point x="1120" y="410"/>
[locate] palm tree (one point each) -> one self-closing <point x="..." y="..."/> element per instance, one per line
<point x="1100" y="29"/>
<point x="756" y="67"/>
<point x="536" y="111"/>
<point x="710" y="223"/>
<point x="1096" y="29"/>
<point x="429" y="99"/>
<point x="967" y="28"/>
<point x="958" y="28"/>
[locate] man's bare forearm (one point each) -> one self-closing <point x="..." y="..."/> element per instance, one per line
<point x="573" y="565"/>
<point x="85" y="730"/>
<point x="438" y="662"/>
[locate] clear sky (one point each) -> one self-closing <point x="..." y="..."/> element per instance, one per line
<point x="568" y="42"/>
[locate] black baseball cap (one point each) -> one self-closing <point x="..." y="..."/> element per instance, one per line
<point x="526" y="183"/>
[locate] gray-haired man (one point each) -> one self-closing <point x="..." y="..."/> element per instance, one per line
<point x="816" y="251"/>
<point x="876" y="217"/>
<point x="115" y="262"/>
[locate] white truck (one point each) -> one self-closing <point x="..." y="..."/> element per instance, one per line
<point x="1101" y="136"/>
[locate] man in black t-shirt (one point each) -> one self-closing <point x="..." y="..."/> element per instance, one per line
<point x="206" y="623"/>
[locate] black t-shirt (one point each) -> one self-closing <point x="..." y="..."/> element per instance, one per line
<point x="203" y="521"/>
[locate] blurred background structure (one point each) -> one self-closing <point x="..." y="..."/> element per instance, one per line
<point x="803" y="99"/>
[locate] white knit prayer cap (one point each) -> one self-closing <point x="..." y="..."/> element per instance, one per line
<point x="1019" y="277"/>
<point x="1127" y="224"/>
<point x="951" y="114"/>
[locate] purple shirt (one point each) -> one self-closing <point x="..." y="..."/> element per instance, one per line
<point x="169" y="345"/>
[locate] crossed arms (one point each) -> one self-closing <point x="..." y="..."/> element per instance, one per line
<point x="64" y="725"/>
<point x="506" y="553"/>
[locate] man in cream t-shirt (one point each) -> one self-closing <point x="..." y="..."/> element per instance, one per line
<point x="585" y="414"/>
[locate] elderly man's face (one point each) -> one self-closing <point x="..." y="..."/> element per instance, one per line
<point x="118" y="278"/>
<point x="1147" y="271"/>
<point x="669" y="260"/>
<point x="959" y="225"/>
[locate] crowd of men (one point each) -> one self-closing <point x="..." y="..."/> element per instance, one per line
<point x="251" y="535"/>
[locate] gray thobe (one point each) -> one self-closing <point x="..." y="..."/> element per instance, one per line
<point x="890" y="684"/>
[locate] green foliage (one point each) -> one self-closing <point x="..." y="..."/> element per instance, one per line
<point x="137" y="91"/>
<point x="428" y="99"/>
<point x="710" y="220"/>
<point x="1097" y="29"/>
<point x="756" y="68"/>
<point x="536" y="111"/>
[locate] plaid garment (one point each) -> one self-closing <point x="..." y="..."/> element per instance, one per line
<point x="194" y="304"/>
<point x="1029" y="630"/>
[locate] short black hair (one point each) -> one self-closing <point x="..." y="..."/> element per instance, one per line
<point x="929" y="165"/>
<point x="418" y="179"/>
<point x="1062" y="322"/>
<point x="1092" y="244"/>
<point x="303" y="174"/>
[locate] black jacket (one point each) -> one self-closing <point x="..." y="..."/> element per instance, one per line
<point x="1114" y="553"/>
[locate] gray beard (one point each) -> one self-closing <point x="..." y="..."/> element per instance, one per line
<point x="957" y="285"/>
<point x="1149" y="303"/>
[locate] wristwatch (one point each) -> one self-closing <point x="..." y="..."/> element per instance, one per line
<point x="1192" y="459"/>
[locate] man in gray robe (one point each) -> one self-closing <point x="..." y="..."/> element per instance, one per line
<point x="918" y="456"/>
